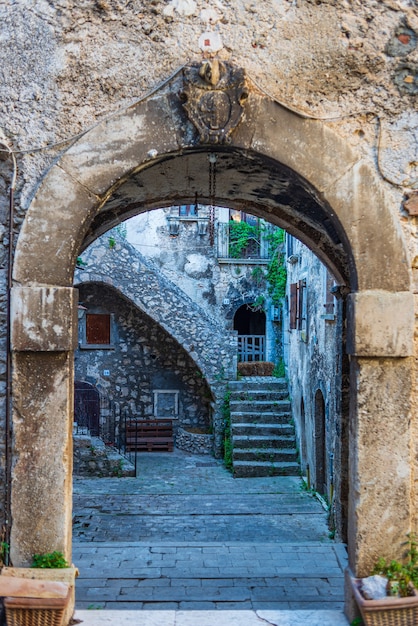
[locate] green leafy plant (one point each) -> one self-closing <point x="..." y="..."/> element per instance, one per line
<point x="241" y="235"/>
<point x="402" y="576"/>
<point x="49" y="560"/>
<point x="276" y="269"/>
<point x="279" y="369"/>
<point x="258" y="304"/>
<point x="80" y="264"/>
<point x="4" y="552"/>
<point x="258" y="275"/>
<point x="118" y="470"/>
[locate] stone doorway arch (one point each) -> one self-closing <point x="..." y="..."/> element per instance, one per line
<point x="295" y="173"/>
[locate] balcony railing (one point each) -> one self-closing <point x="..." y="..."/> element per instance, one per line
<point x="257" y="250"/>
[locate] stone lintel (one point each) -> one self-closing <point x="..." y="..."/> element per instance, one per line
<point x="44" y="319"/>
<point x="381" y="324"/>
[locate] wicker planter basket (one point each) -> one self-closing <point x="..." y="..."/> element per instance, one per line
<point x="35" y="611"/>
<point x="37" y="615"/>
<point x="388" y="611"/>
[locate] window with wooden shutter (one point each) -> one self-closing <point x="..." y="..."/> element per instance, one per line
<point x="298" y="307"/>
<point x="98" y="328"/>
<point x="293" y="312"/>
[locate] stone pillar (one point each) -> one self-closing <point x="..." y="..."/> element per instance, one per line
<point x="44" y="336"/>
<point x="380" y="345"/>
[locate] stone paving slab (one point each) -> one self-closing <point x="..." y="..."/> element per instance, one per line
<point x="215" y="576"/>
<point x="212" y="618"/>
<point x="218" y="527"/>
<point x="186" y="535"/>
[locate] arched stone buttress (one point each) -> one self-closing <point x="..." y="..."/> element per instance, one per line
<point x="294" y="172"/>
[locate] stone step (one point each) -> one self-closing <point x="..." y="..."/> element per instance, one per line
<point x="259" y="406"/>
<point x="269" y="383"/>
<point x="259" y="394"/>
<point x="258" y="441"/>
<point x="272" y="455"/>
<point x="262" y="429"/>
<point x="244" y="469"/>
<point x="255" y="417"/>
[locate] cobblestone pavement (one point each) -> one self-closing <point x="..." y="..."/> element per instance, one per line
<point x="185" y="534"/>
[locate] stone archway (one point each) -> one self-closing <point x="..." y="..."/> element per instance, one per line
<point x="294" y="172"/>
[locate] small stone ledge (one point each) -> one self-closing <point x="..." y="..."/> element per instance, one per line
<point x="93" y="458"/>
<point x="197" y="443"/>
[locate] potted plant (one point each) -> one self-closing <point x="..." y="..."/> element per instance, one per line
<point x="399" y="607"/>
<point x="48" y="611"/>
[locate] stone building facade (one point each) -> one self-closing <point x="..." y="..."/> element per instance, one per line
<point x="111" y="109"/>
<point x="314" y="364"/>
<point x="176" y="277"/>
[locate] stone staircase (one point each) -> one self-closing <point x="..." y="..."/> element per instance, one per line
<point x="262" y="434"/>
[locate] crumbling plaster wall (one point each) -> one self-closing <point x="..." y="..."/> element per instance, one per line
<point x="69" y="64"/>
<point x="192" y="263"/>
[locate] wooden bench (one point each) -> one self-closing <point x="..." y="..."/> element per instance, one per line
<point x="150" y="435"/>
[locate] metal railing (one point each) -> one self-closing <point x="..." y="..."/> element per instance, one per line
<point x="255" y="250"/>
<point x="106" y="421"/>
<point x="251" y="347"/>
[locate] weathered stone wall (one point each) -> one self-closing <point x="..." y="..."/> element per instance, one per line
<point x="314" y="364"/>
<point x="219" y="285"/>
<point x="163" y="340"/>
<point x="144" y="358"/>
<point x="68" y="65"/>
<point x="92" y="458"/>
<point x="194" y="442"/>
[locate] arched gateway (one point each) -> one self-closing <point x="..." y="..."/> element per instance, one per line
<point x="294" y="172"/>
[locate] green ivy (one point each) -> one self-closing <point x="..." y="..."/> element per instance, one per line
<point x="276" y="269"/>
<point x="240" y="235"/>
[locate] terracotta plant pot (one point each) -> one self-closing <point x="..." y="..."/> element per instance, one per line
<point x="390" y="611"/>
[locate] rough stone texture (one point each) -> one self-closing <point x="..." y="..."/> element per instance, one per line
<point x="68" y="65"/>
<point x="218" y="284"/>
<point x="144" y="358"/>
<point x="314" y="366"/>
<point x="147" y="353"/>
<point x="196" y="443"/>
<point x="41" y="496"/>
<point x="93" y="458"/>
<point x="44" y="319"/>
<point x="382" y="476"/>
<point x="374" y="330"/>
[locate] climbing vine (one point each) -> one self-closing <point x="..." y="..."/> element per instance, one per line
<point x="276" y="269"/>
<point x="241" y="236"/>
